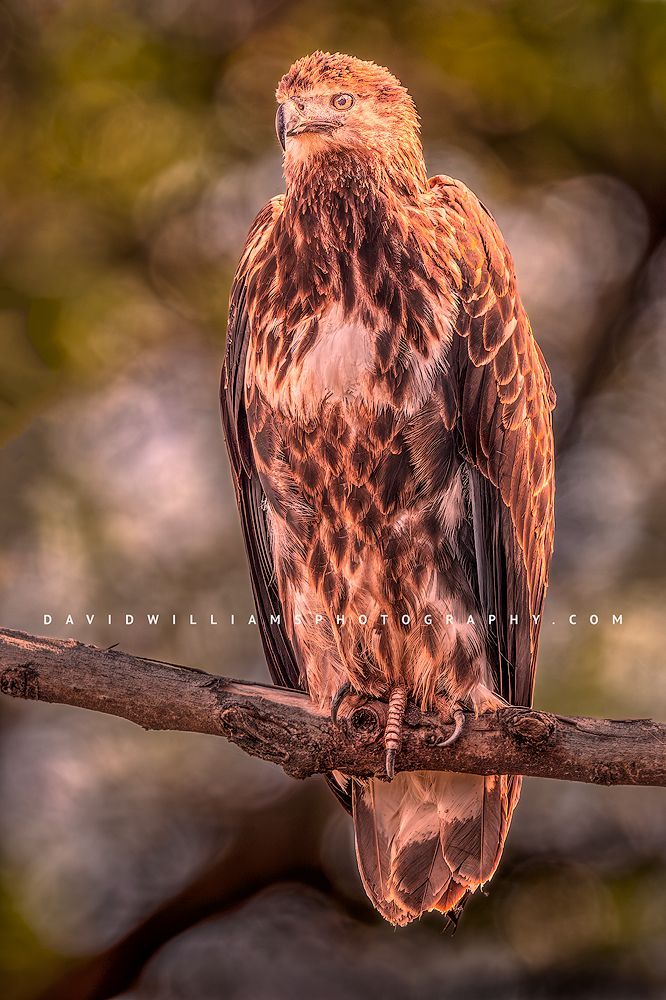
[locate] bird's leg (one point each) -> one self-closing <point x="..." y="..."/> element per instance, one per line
<point x="394" y="721"/>
<point x="395" y="715"/>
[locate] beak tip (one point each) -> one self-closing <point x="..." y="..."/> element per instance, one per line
<point x="280" y="127"/>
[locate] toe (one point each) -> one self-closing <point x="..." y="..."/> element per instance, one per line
<point x="458" y="718"/>
<point x="343" y="692"/>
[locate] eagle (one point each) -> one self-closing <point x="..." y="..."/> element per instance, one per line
<point x="388" y="418"/>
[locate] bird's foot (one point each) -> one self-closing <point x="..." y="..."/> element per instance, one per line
<point x="457" y="717"/>
<point x="479" y="700"/>
<point x="483" y="700"/>
<point x="345" y="691"/>
<point x="395" y="714"/>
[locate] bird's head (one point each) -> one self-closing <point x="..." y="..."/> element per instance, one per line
<point x="329" y="103"/>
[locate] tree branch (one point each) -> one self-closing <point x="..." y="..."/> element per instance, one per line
<point x="285" y="727"/>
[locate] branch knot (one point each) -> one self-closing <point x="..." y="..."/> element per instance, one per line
<point x="255" y="733"/>
<point x="533" y="728"/>
<point x="21" y="681"/>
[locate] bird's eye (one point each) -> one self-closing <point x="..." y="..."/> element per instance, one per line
<point x="342" y="102"/>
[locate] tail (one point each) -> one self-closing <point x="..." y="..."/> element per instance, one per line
<point x="428" y="838"/>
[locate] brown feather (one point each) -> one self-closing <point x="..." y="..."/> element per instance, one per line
<point x="388" y="418"/>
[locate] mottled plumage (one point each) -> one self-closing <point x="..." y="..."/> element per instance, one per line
<point x="388" y="417"/>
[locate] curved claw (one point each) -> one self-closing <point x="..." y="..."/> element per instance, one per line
<point x="459" y="719"/>
<point x="338" y="698"/>
<point x="390" y="764"/>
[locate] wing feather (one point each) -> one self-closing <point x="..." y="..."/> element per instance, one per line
<point x="505" y="402"/>
<point x="249" y="494"/>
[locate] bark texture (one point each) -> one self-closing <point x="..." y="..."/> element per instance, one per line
<point x="284" y="727"/>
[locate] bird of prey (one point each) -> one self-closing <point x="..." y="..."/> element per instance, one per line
<point x="388" y="416"/>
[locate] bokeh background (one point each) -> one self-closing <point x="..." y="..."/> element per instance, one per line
<point x="136" y="146"/>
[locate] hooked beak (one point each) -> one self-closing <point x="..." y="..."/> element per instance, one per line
<point x="286" y="127"/>
<point x="280" y="126"/>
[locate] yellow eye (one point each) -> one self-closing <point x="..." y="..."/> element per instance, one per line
<point x="342" y="102"/>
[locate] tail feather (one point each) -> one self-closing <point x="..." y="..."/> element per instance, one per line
<point x="428" y="839"/>
<point x="373" y="849"/>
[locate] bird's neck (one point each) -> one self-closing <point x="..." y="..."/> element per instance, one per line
<point x="357" y="237"/>
<point x="345" y="197"/>
<point x="350" y="233"/>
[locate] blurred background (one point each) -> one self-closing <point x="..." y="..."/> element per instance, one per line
<point x="136" y="146"/>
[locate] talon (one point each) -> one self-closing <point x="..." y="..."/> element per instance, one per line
<point x="459" y="719"/>
<point x="393" y="732"/>
<point x="339" y="696"/>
